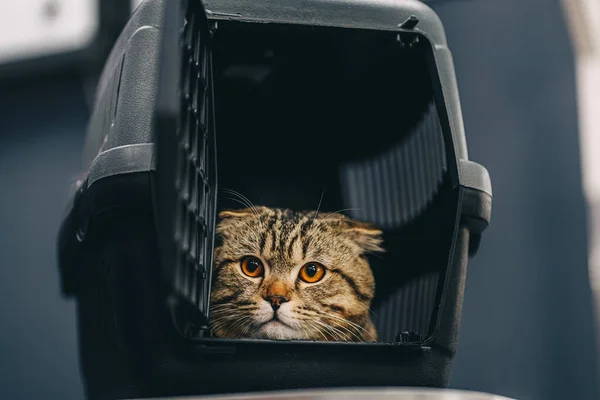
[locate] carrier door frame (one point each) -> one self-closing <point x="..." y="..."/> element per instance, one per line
<point x="185" y="184"/>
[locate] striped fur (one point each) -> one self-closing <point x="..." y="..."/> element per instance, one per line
<point x="335" y="308"/>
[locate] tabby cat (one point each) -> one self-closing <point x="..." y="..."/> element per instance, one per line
<point x="280" y="274"/>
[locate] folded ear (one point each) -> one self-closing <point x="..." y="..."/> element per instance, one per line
<point x="232" y="219"/>
<point x="368" y="237"/>
<point x="246" y="212"/>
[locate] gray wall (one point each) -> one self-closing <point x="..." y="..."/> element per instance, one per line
<point x="41" y="126"/>
<point x="527" y="324"/>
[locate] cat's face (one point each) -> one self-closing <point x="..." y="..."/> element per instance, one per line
<point x="280" y="274"/>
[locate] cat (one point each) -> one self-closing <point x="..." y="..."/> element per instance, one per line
<point x="284" y="275"/>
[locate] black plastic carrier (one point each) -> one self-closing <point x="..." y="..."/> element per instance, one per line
<point x="354" y="106"/>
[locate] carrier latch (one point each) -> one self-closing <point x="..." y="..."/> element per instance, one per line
<point x="409" y="337"/>
<point x="476" y="211"/>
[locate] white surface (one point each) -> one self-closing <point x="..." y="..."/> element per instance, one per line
<point x="34" y="28"/>
<point x="583" y="19"/>
<point x="358" y="394"/>
<point x="135" y="4"/>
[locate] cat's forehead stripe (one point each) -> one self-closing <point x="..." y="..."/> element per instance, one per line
<point x="282" y="236"/>
<point x="276" y="230"/>
<point x="295" y="236"/>
<point x="266" y="233"/>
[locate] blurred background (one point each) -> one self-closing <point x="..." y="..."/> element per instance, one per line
<point x="529" y="77"/>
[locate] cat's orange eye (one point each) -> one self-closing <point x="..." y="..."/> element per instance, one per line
<point x="252" y="267"/>
<point x="312" y="272"/>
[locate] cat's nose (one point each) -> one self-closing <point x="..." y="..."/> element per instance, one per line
<point x="276" y="301"/>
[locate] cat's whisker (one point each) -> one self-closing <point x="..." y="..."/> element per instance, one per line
<point x="319" y="205"/>
<point x="306" y="335"/>
<point x="311" y="314"/>
<point x="374" y="254"/>
<point x="220" y="311"/>
<point x="340" y="336"/>
<point x="238" y="325"/>
<point x="336" y="333"/>
<point x="310" y="327"/>
<point x="223" y="308"/>
<point x="344" y="320"/>
<point x="248" y="326"/>
<point x="246" y="203"/>
<point x="242" y="203"/>
<point x="242" y="200"/>
<point x="234" y="307"/>
<point x="225" y="323"/>
<point x="353" y="325"/>
<point x="367" y="308"/>
<point x="329" y="331"/>
<point x="245" y="199"/>
<point x="217" y="305"/>
<point x="217" y="326"/>
<point x="240" y="196"/>
<point x="341" y="326"/>
<point x="227" y="317"/>
<point x="348" y="330"/>
<point x="220" y="305"/>
<point x="233" y="316"/>
<point x="340" y="212"/>
<point x="216" y="318"/>
<point x="317" y="329"/>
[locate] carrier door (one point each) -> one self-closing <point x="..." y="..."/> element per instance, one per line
<point x="185" y="181"/>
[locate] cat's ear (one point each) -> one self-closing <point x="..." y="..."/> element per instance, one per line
<point x="230" y="220"/>
<point x="368" y="237"/>
<point x="246" y="212"/>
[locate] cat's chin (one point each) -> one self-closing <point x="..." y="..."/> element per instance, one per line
<point x="277" y="330"/>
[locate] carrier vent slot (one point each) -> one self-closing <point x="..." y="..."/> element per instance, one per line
<point x="194" y="179"/>
<point x="391" y="190"/>
<point x="394" y="188"/>
<point x="408" y="309"/>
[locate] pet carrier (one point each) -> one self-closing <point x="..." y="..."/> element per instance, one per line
<point x="350" y="105"/>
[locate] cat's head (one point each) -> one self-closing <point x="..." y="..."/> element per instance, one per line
<point x="280" y="274"/>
